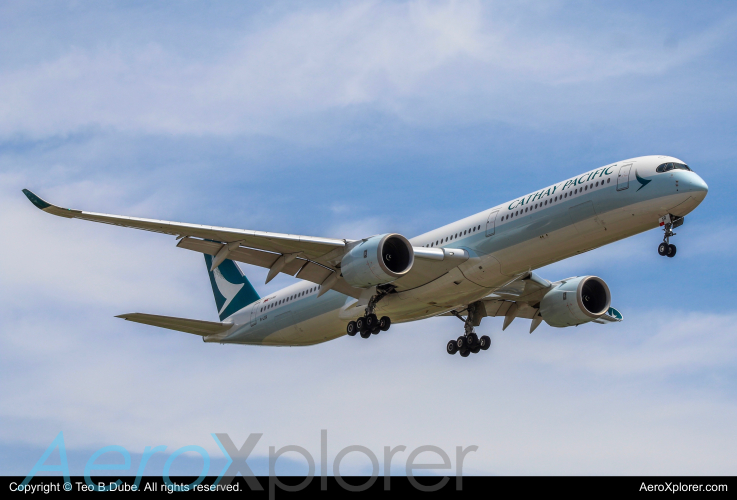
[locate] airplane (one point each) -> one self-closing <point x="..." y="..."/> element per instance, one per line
<point x="480" y="266"/>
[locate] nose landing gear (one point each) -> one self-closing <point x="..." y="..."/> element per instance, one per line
<point x="470" y="342"/>
<point x="669" y="222"/>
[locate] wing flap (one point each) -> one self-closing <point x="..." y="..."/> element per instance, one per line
<point x="304" y="270"/>
<point x="241" y="254"/>
<point x="193" y="326"/>
<point x="500" y="308"/>
<point x="314" y="273"/>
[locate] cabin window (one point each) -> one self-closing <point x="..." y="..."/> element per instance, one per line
<point x="609" y="180"/>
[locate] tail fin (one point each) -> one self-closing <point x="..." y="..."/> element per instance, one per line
<point x="232" y="289"/>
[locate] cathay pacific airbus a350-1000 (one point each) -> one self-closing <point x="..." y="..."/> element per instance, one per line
<point x="476" y="267"/>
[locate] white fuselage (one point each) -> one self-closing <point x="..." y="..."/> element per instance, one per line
<point x="571" y="217"/>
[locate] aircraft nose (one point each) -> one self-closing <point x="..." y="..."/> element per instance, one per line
<point x="696" y="186"/>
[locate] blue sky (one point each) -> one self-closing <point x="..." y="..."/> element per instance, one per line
<point x="347" y="119"/>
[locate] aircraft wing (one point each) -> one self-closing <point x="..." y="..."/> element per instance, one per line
<point x="521" y="298"/>
<point x="312" y="247"/>
<point x="308" y="258"/>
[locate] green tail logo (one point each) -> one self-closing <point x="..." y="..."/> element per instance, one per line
<point x="642" y="181"/>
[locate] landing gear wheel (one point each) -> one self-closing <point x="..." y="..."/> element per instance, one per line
<point x="376" y="330"/>
<point x="671" y="250"/>
<point x="452" y="347"/>
<point x="371" y="321"/>
<point x="461" y="343"/>
<point x="365" y="334"/>
<point x="361" y="324"/>
<point x="385" y="323"/>
<point x="472" y="338"/>
<point x="663" y="249"/>
<point x="351" y="329"/>
<point x="465" y="353"/>
<point x="476" y="349"/>
<point x="485" y="342"/>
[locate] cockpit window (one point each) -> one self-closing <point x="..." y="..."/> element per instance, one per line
<point x="666" y="167"/>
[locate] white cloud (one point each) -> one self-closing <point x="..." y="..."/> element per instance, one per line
<point x="67" y="261"/>
<point x="423" y="62"/>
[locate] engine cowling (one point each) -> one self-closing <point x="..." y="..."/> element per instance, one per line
<point x="378" y="260"/>
<point x="576" y="301"/>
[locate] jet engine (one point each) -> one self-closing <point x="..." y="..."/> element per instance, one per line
<point x="378" y="260"/>
<point x="575" y="301"/>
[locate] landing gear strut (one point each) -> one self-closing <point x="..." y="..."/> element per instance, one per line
<point x="370" y="324"/>
<point x="469" y="342"/>
<point x="669" y="222"/>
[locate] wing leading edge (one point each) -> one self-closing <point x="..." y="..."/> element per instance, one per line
<point x="308" y="258"/>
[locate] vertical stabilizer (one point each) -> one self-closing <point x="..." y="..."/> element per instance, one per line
<point x="231" y="288"/>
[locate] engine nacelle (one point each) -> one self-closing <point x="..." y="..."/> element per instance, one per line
<point x="378" y="260"/>
<point x="575" y="301"/>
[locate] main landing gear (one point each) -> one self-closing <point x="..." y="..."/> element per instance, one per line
<point x="369" y="324"/>
<point x="469" y="342"/>
<point x="669" y="222"/>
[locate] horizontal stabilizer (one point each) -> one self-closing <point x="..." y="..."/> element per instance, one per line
<point x="194" y="326"/>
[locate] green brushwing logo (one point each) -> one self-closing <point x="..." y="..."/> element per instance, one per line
<point x="642" y="181"/>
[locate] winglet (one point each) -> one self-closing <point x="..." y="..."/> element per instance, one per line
<point x="49" y="208"/>
<point x="36" y="200"/>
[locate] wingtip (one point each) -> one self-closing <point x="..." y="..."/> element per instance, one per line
<point x="36" y="200"/>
